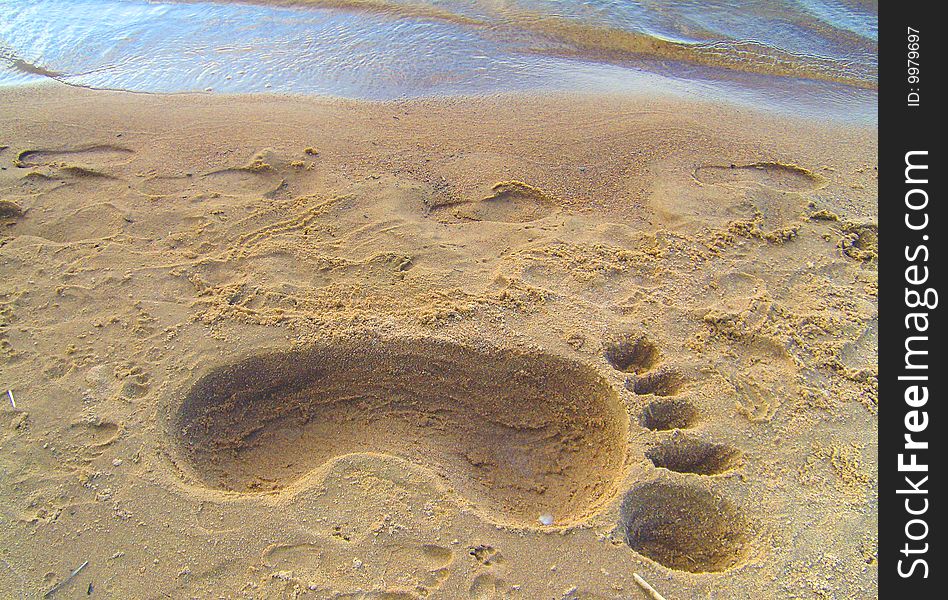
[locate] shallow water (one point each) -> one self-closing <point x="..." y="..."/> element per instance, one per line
<point x="812" y="57"/>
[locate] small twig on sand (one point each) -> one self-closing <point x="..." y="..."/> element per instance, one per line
<point x="652" y="593"/>
<point x="60" y="585"/>
<point x="12" y="400"/>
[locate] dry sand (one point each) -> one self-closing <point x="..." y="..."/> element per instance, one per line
<point x="513" y="347"/>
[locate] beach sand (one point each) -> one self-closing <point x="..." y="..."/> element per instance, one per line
<point x="509" y="347"/>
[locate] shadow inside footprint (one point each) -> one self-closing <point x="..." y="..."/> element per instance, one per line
<point x="663" y="415"/>
<point x="684" y="527"/>
<point x="521" y="434"/>
<point x="665" y="382"/>
<point x="10" y="210"/>
<point x="632" y="354"/>
<point x="684" y="454"/>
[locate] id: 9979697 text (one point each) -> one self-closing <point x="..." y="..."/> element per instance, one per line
<point x="913" y="66"/>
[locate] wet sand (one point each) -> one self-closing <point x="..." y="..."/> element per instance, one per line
<point x="512" y="347"/>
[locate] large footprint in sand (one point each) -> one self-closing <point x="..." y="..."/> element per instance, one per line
<point x="518" y="434"/>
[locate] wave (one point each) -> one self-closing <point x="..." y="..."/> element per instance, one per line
<point x="547" y="33"/>
<point x="807" y="56"/>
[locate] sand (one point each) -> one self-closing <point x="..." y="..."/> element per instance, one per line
<point x="508" y="347"/>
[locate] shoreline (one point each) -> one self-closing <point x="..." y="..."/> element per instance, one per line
<point x="683" y="90"/>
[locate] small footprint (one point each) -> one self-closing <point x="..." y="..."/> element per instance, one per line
<point x="98" y="155"/>
<point x="486" y="555"/>
<point x="422" y="566"/>
<point x="136" y="383"/>
<point x="260" y="176"/>
<point x="295" y="556"/>
<point x="94" y="220"/>
<point x="437" y="557"/>
<point x="486" y="587"/>
<point x="97" y="434"/>
<point x="90" y="439"/>
<point x="509" y="202"/>
<point x="773" y="175"/>
<point x="236" y="181"/>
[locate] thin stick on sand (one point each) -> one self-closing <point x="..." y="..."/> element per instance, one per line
<point x="12" y="401"/>
<point x="652" y="593"/>
<point x="62" y="583"/>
